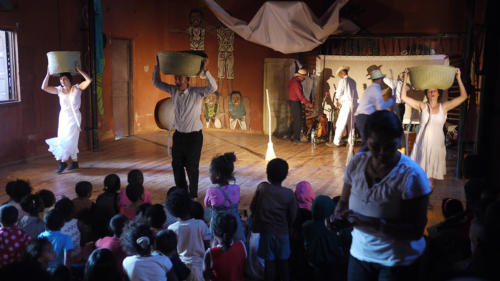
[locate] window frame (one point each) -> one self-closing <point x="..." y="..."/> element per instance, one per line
<point x="13" y="74"/>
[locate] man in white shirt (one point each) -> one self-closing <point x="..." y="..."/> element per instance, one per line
<point x="397" y="86"/>
<point x="347" y="95"/>
<point x="188" y="138"/>
<point x="371" y="101"/>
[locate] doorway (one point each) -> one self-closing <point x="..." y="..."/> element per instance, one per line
<point x="121" y="86"/>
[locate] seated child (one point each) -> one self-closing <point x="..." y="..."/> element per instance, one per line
<point x="113" y="243"/>
<point x="13" y="240"/>
<point x="156" y="217"/>
<point x="106" y="204"/>
<point x="166" y="244"/>
<point x="31" y="223"/>
<point x="170" y="218"/>
<point x="83" y="190"/>
<point x="62" y="243"/>
<point x="274" y="209"/>
<point x="133" y="177"/>
<point x="226" y="260"/>
<point x="193" y="235"/>
<point x="135" y="194"/>
<point x="224" y="197"/>
<point x="48" y="199"/>
<point x="142" y="265"/>
<point x="70" y="227"/>
<point x="17" y="190"/>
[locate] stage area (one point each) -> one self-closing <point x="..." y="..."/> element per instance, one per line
<point x="321" y="165"/>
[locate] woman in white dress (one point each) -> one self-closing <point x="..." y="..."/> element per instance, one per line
<point x="65" y="145"/>
<point x="429" y="150"/>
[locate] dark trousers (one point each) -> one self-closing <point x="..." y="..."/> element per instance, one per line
<point x="296" y="125"/>
<point x="399" y="110"/>
<point x="186" y="152"/>
<point x="360" y="121"/>
<point x="368" y="271"/>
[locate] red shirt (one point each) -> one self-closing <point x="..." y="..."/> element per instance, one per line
<point x="228" y="265"/>
<point x="114" y="245"/>
<point x="295" y="91"/>
<point x="13" y="241"/>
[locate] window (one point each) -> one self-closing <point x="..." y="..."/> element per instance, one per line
<point x="8" y="64"/>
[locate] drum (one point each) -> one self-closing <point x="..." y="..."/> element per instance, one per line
<point x="164" y="114"/>
<point x="63" y="61"/>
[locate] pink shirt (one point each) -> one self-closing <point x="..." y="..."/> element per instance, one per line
<point x="123" y="200"/>
<point x="214" y="197"/>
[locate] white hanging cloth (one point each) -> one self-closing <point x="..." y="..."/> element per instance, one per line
<point x="287" y="27"/>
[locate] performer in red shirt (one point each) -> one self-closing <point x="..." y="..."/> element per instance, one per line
<point x="295" y="97"/>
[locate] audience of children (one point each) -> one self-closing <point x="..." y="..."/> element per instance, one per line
<point x="31" y="223"/>
<point x="226" y="260"/>
<point x="274" y="209"/>
<point x="224" y="197"/>
<point x="171" y="241"/>
<point x="193" y="235"/>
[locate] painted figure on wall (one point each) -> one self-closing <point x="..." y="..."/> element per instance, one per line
<point x="196" y="31"/>
<point x="237" y="111"/>
<point x="212" y="111"/>
<point x="225" y="63"/>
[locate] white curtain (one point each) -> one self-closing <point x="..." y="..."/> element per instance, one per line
<point x="287" y="27"/>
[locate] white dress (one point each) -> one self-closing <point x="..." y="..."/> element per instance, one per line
<point x="65" y="145"/>
<point x="429" y="150"/>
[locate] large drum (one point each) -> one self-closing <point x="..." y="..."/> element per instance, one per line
<point x="63" y="61"/>
<point x="164" y="114"/>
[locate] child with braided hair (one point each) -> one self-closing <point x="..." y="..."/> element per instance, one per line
<point x="226" y="260"/>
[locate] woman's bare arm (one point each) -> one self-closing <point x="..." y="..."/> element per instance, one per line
<point x="413" y="103"/>
<point x="45" y="84"/>
<point x="83" y="85"/>
<point x="449" y="105"/>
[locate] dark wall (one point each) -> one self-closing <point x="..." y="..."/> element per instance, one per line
<point x="42" y="26"/>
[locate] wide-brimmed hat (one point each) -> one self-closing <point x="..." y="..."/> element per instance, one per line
<point x="376" y="74"/>
<point x="301" y="72"/>
<point x="344" y="67"/>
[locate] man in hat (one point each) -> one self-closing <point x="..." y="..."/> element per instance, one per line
<point x="188" y="138"/>
<point x="371" y="101"/>
<point x="397" y="86"/>
<point x="347" y="95"/>
<point x="295" y="97"/>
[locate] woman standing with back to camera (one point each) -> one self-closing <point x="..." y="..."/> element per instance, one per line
<point x="65" y="145"/>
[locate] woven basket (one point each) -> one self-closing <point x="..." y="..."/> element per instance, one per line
<point x="180" y="63"/>
<point x="432" y="77"/>
<point x="63" y="61"/>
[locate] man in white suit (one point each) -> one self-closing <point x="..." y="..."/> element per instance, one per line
<point x="347" y="95"/>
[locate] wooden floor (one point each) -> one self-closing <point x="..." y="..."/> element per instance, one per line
<point x="321" y="165"/>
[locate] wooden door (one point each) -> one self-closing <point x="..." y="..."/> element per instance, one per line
<point x="121" y="86"/>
